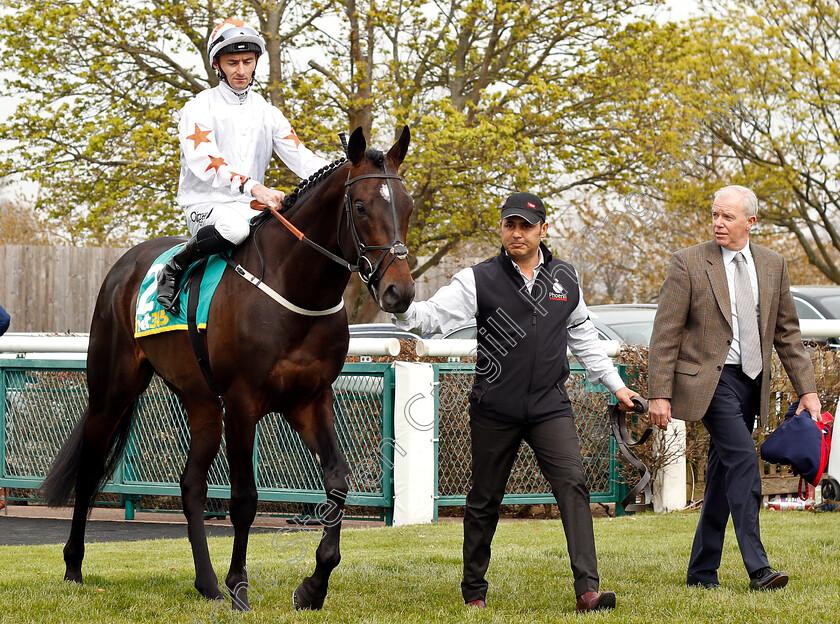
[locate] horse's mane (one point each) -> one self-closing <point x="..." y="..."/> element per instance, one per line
<point x="310" y="183"/>
<point x="375" y="155"/>
<point x="305" y="185"/>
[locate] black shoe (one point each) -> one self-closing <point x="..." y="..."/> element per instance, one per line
<point x="206" y="242"/>
<point x="768" y="578"/>
<point x="693" y="581"/>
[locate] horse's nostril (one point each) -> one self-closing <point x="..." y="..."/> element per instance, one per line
<point x="397" y="297"/>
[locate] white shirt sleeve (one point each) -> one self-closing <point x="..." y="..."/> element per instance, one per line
<point x="585" y="345"/>
<point x="450" y="307"/>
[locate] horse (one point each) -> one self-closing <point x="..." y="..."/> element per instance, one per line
<point x="264" y="358"/>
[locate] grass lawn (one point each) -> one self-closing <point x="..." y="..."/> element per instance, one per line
<point x="412" y="574"/>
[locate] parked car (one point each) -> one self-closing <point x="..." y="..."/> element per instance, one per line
<point x="466" y="331"/>
<point x="629" y="323"/>
<point x="818" y="302"/>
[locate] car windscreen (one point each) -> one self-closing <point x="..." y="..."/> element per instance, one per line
<point x="634" y="333"/>
<point x="832" y="303"/>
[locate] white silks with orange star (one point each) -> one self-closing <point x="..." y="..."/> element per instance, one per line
<point x="226" y="147"/>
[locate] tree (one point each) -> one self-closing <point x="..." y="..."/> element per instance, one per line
<point x="103" y="80"/>
<point x="554" y="96"/>
<point x="755" y="88"/>
<point x="20" y="226"/>
<point x="502" y="96"/>
<point x="781" y="57"/>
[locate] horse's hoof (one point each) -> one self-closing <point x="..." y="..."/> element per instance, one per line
<point x="75" y="577"/>
<point x="239" y="599"/>
<point x="240" y="604"/>
<point x="303" y="602"/>
<point x="213" y="593"/>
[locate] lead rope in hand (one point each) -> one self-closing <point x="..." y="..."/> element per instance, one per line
<point x="618" y="423"/>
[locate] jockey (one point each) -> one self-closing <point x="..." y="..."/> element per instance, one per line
<point x="227" y="136"/>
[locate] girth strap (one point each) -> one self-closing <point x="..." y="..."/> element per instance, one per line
<point x="198" y="344"/>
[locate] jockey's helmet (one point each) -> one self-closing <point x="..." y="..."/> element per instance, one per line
<point x="234" y="35"/>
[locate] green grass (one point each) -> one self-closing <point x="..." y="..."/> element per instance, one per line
<point x="412" y="574"/>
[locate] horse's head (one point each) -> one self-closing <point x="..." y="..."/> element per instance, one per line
<point x="377" y="207"/>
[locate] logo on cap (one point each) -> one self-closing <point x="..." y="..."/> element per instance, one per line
<point x="532" y="205"/>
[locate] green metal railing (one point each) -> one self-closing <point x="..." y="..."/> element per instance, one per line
<point x="526" y="484"/>
<point x="43" y="399"/>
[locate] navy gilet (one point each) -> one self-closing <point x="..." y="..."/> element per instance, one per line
<point x="521" y="365"/>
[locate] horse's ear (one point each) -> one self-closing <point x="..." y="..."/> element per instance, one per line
<point x="400" y="148"/>
<point x="357" y="145"/>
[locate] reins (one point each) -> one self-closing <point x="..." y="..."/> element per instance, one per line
<point x="305" y="239"/>
<point x="618" y="424"/>
<point x="368" y="271"/>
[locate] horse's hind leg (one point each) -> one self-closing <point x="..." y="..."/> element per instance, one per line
<point x="315" y="425"/>
<point x="205" y="420"/>
<point x="102" y="434"/>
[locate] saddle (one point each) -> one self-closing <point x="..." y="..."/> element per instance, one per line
<point x="152" y="318"/>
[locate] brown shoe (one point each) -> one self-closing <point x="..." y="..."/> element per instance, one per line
<point x="593" y="601"/>
<point x="479" y="604"/>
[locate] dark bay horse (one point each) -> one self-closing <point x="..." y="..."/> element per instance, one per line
<point x="265" y="358"/>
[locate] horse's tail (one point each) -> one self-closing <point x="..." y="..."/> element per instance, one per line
<point x="60" y="482"/>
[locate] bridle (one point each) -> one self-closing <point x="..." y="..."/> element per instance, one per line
<point x="371" y="273"/>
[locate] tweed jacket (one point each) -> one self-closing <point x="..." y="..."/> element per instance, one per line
<point x="692" y="330"/>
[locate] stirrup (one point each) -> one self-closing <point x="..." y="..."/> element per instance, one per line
<point x="170" y="306"/>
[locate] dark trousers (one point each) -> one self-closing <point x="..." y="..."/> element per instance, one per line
<point x="733" y="480"/>
<point x="494" y="447"/>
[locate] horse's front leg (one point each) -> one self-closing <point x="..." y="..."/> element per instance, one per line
<point x="315" y="424"/>
<point x="205" y="437"/>
<point x="240" y="429"/>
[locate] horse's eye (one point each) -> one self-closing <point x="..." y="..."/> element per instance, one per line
<point x="360" y="208"/>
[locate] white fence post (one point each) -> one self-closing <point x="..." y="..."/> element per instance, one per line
<point x="414" y="449"/>
<point x="669" y="485"/>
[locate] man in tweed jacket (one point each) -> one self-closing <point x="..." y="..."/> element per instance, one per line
<point x="695" y="373"/>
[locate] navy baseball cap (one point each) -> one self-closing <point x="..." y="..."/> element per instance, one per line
<point x="525" y="205"/>
<point x="801" y="443"/>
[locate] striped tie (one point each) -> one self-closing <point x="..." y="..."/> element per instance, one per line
<point x="747" y="320"/>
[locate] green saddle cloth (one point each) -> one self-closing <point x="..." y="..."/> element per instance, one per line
<point x="151" y="318"/>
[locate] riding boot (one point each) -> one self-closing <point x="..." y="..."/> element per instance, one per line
<point x="206" y="242"/>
